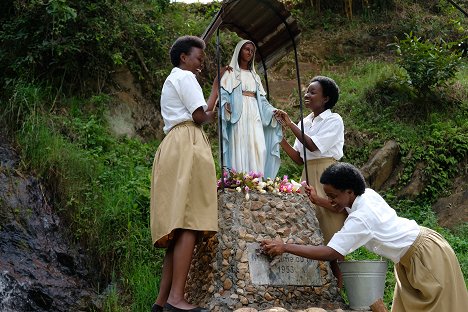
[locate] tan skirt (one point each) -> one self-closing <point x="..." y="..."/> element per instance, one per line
<point x="429" y="278"/>
<point x="330" y="222"/>
<point x="183" y="185"/>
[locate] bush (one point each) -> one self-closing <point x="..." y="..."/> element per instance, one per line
<point x="72" y="42"/>
<point x="428" y="65"/>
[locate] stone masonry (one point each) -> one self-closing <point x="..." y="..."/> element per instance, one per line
<point x="220" y="277"/>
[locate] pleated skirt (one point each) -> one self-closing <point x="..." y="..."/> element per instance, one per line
<point x="329" y="222"/>
<point x="183" y="185"/>
<point x="429" y="278"/>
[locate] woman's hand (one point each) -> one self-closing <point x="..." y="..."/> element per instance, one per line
<point x="272" y="247"/>
<point x="224" y="69"/>
<point x="282" y="117"/>
<point x="310" y="191"/>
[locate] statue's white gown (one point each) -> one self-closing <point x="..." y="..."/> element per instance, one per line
<point x="247" y="145"/>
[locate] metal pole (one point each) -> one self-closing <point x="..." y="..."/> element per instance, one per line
<point x="458" y="7"/>
<point x="302" y="112"/>
<point x="220" y="112"/>
<point x="298" y="86"/>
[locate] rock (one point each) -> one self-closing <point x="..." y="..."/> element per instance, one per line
<point x="40" y="269"/>
<point x="379" y="168"/>
<point x="453" y="210"/>
<point x="416" y="185"/>
<point x="276" y="309"/>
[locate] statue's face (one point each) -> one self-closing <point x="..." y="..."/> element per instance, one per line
<point x="246" y="53"/>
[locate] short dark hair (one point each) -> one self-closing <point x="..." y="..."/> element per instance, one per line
<point x="344" y="176"/>
<point x="329" y="88"/>
<point x="184" y="44"/>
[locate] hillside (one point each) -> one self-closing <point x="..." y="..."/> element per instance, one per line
<point x="79" y="99"/>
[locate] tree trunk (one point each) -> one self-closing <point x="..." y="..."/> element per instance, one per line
<point x="348" y="4"/>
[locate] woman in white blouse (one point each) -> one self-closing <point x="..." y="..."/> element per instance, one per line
<point x="183" y="184"/>
<point x="324" y="140"/>
<point x="427" y="272"/>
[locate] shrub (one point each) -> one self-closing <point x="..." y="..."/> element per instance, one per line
<point x="428" y="65"/>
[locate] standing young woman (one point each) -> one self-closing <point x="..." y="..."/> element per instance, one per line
<point x="183" y="186"/>
<point x="324" y="140"/>
<point x="251" y="135"/>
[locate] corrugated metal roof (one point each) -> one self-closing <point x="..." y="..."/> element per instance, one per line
<point x="265" y="22"/>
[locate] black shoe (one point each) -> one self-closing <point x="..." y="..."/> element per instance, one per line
<point x="156" y="308"/>
<point x="170" y="308"/>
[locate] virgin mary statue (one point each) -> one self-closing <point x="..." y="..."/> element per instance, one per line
<point x="251" y="134"/>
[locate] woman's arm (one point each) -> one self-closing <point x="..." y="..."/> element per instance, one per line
<point x="292" y="153"/>
<point x="284" y="119"/>
<point x="215" y="89"/>
<point x="307" y="141"/>
<point x="277" y="247"/>
<point x="320" y="201"/>
<point x="201" y="117"/>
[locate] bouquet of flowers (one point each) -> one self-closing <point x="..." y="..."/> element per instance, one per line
<point x="245" y="182"/>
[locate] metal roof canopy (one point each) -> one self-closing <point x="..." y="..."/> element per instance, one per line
<point x="267" y="23"/>
<point x="274" y="31"/>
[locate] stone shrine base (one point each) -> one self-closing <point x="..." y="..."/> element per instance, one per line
<point x="229" y="273"/>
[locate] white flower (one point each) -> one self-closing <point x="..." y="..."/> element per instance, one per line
<point x="255" y="180"/>
<point x="262" y="191"/>
<point x="296" y="185"/>
<point x="247" y="196"/>
<point x="238" y="189"/>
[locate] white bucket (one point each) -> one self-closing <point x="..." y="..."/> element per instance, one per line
<point x="364" y="282"/>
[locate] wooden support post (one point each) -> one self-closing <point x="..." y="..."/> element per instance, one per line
<point x="348" y="4"/>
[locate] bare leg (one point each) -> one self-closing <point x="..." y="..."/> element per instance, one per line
<point x="182" y="258"/>
<point x="378" y="306"/>
<point x="166" y="277"/>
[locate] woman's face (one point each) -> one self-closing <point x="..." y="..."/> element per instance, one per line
<point x="193" y="61"/>
<point x="314" y="98"/>
<point x="246" y="53"/>
<point x="338" y="198"/>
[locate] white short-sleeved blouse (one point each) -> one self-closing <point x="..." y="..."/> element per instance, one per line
<point x="181" y="95"/>
<point x="372" y="223"/>
<point x="327" y="132"/>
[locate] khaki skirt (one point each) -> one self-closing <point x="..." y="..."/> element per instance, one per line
<point x="329" y="222"/>
<point x="429" y="278"/>
<point x="183" y="185"/>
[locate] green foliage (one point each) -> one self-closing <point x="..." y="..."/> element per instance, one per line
<point x="21" y="101"/>
<point x="72" y="41"/>
<point x="427" y="65"/>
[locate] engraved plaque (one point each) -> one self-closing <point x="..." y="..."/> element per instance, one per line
<point x="286" y="269"/>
